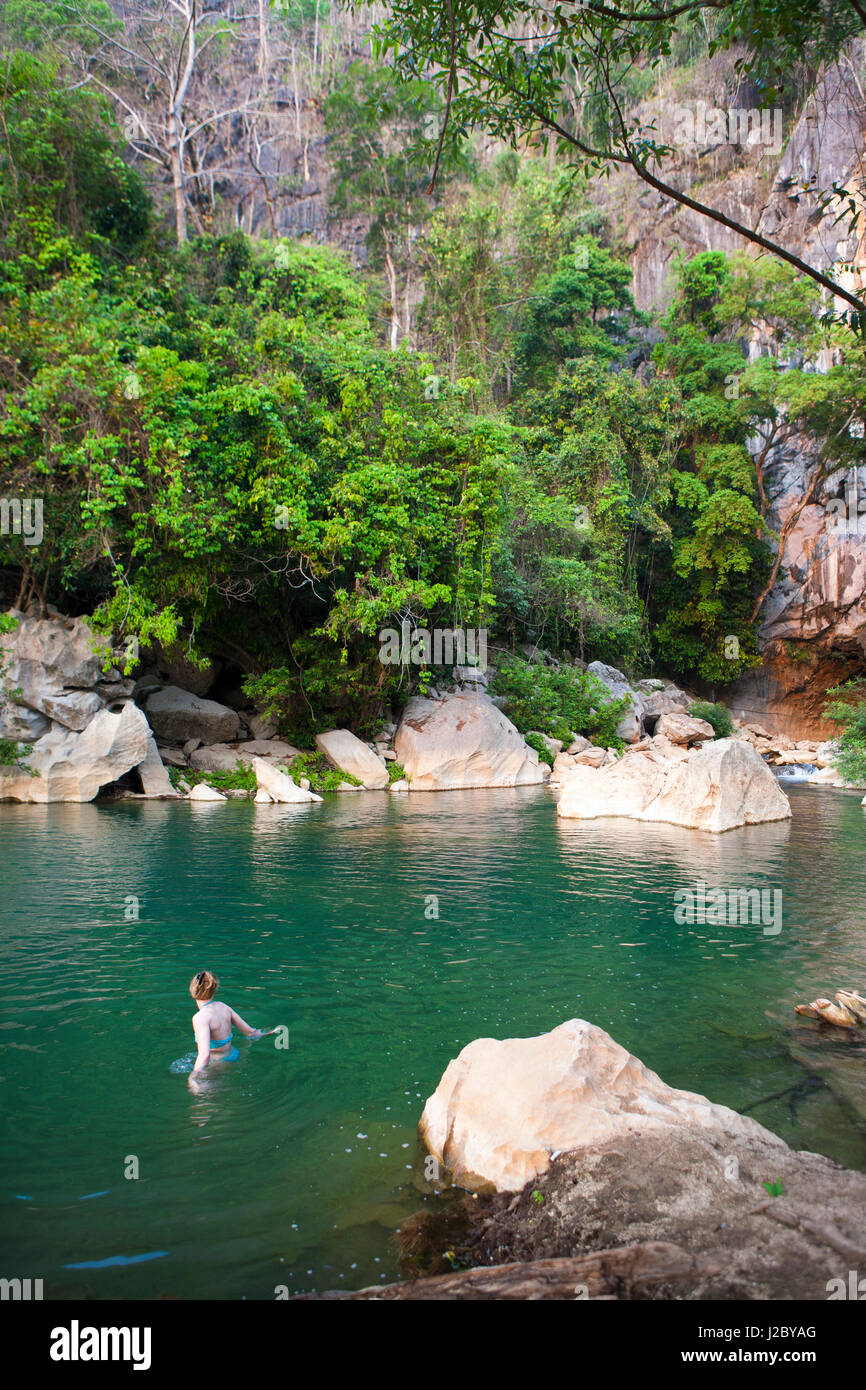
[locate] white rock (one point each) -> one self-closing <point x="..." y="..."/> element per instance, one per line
<point x="155" y="781"/>
<point x="623" y="788"/>
<point x="503" y="1108"/>
<point x="202" y="792"/>
<point x="460" y="741"/>
<point x="262" y="798"/>
<point x="718" y="787"/>
<point x="723" y="785"/>
<point x="347" y="753"/>
<point x="563" y="766"/>
<point x="679" y="727"/>
<point x="590" y="757"/>
<point x="44" y="654"/>
<point x="401" y="785"/>
<point x="278" y="785"/>
<point x="73" y="709"/>
<point x="72" y="767"/>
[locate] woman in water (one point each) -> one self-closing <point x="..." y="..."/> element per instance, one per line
<point x="213" y="1024"/>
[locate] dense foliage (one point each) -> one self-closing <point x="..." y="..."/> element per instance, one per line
<point x="233" y="455"/>
<point x="848" y="710"/>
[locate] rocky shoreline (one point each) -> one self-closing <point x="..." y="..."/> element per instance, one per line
<point x="91" y="731"/>
<point x="593" y="1179"/>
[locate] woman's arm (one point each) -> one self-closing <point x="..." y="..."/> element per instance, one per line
<point x="201" y="1028"/>
<point x="248" y="1032"/>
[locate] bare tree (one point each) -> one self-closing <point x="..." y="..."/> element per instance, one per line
<point x="152" y="70"/>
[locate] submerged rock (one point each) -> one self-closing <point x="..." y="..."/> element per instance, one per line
<point x="503" y="1108"/>
<point x="461" y="741"/>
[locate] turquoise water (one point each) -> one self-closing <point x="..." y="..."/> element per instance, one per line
<point x="294" y="1167"/>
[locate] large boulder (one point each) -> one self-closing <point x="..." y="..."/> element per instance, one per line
<point x="630" y="725"/>
<point x="723" y="785"/>
<point x="67" y="766"/>
<point x="462" y="741"/>
<point x="54" y="663"/>
<point x="623" y="788"/>
<point x="177" y="716"/>
<point x="348" y="754"/>
<point x="504" y="1107"/>
<point x="718" y="787"/>
<point x="682" y="728"/>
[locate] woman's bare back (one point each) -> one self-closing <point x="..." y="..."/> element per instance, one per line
<point x="219" y="1021"/>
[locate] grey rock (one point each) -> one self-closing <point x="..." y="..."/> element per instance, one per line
<point x="177" y="716"/>
<point x="261" y="727"/>
<point x="216" y="758"/>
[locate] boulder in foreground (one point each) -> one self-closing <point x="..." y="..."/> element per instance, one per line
<point x="504" y="1107"/>
<point x="463" y="741"/>
<point x="724" y="785"/>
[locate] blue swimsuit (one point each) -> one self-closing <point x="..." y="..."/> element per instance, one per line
<point x="230" y="1056"/>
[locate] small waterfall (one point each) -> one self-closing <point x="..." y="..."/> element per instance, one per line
<point x="795" y="772"/>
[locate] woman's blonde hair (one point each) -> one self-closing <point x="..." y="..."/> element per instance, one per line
<point x="203" y="986"/>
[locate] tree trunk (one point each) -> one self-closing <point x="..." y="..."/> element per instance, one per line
<point x="175" y="152"/>
<point x="264" y="56"/>
<point x="391" y="273"/>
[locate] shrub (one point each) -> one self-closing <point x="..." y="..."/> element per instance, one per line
<point x="849" y="711"/>
<point x="322" y="777"/>
<point x="559" y="701"/>
<point x="396" y="771"/>
<point x="537" y="742"/>
<point x="717" y="715"/>
<point x="242" y="779"/>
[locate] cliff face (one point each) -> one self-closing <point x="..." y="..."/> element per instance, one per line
<point x="813" y="624"/>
